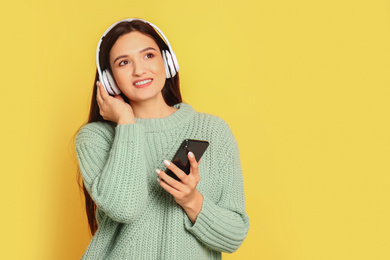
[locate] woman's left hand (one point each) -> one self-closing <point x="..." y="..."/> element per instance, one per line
<point x="184" y="192"/>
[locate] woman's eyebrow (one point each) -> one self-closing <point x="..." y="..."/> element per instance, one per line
<point x="125" y="55"/>
<point x="146" y="49"/>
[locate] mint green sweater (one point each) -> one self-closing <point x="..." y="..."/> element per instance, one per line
<point x="137" y="219"/>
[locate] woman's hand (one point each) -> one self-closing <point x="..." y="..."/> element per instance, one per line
<point x="184" y="192"/>
<point x="114" y="109"/>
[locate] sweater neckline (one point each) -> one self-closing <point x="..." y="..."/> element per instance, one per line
<point x="183" y="113"/>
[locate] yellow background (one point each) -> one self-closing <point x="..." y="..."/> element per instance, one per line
<point x="303" y="84"/>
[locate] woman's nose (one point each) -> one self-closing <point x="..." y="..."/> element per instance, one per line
<point x="138" y="68"/>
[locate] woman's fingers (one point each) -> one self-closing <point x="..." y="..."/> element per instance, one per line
<point x="188" y="182"/>
<point x="114" y="109"/>
<point x="169" y="180"/>
<point x="174" y="192"/>
<point x="194" y="166"/>
<point x="98" y="97"/>
<point x="184" y="192"/>
<point x="177" y="171"/>
<point x="103" y="92"/>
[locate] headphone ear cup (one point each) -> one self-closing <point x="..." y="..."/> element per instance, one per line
<point x="171" y="65"/>
<point x="105" y="83"/>
<point x="167" y="72"/>
<point x="175" y="62"/>
<point x="109" y="83"/>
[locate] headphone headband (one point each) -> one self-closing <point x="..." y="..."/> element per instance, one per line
<point x="176" y="65"/>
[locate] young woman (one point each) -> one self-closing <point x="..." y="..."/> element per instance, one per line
<point x="135" y="210"/>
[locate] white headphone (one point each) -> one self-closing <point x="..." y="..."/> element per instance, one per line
<point x="170" y="62"/>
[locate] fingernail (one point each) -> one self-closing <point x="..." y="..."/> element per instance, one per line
<point x="98" y="83"/>
<point x="158" y="179"/>
<point x="191" y="154"/>
<point x="158" y="171"/>
<point x="166" y="162"/>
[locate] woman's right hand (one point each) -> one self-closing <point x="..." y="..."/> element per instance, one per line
<point x="114" y="109"/>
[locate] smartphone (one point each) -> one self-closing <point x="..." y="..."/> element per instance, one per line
<point x="197" y="147"/>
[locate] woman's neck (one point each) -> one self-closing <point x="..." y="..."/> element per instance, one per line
<point x="152" y="109"/>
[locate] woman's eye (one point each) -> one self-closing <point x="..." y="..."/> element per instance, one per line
<point x="124" y="62"/>
<point x="149" y="55"/>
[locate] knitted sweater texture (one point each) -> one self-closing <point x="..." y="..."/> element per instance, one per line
<point x="138" y="219"/>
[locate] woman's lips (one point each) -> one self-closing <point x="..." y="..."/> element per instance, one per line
<point x="143" y="83"/>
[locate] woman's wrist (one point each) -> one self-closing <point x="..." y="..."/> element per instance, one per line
<point x="124" y="120"/>
<point x="194" y="207"/>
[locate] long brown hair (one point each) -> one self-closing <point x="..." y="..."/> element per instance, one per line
<point x="171" y="92"/>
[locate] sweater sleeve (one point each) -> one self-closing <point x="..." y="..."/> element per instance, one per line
<point x="112" y="166"/>
<point x="223" y="224"/>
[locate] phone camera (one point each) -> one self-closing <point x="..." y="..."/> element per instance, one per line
<point x="185" y="145"/>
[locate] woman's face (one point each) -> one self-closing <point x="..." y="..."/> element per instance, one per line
<point x="138" y="67"/>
